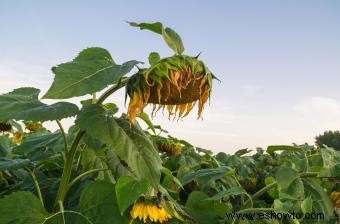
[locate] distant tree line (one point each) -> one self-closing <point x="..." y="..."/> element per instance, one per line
<point x="329" y="138"/>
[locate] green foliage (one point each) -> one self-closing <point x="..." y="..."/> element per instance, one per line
<point x="91" y="71"/>
<point x="330" y="139"/>
<point x="289" y="183"/>
<point x="172" y="39"/>
<point x="22" y="208"/>
<point x="205" y="211"/>
<point x="98" y="202"/>
<point x="154" y="58"/>
<point x="23" y="104"/>
<point x="128" y="190"/>
<point x="97" y="170"/>
<point x="126" y="141"/>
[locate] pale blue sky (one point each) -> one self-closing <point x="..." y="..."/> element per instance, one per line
<point x="279" y="61"/>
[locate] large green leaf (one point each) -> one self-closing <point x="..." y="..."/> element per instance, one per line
<point x="21" y="208"/>
<point x="7" y="164"/>
<point x="205" y="211"/>
<point x="98" y="203"/>
<point x="171" y="177"/>
<point x="307" y="205"/>
<point x="172" y="38"/>
<point x="205" y="175"/>
<point x="91" y="71"/>
<point x="331" y="163"/>
<point x="23" y="104"/>
<point x="282" y="207"/>
<point x="116" y="166"/>
<point x="234" y="191"/>
<point x="321" y="201"/>
<point x="46" y="140"/>
<point x="127" y="141"/>
<point x="128" y="190"/>
<point x="5" y="145"/>
<point x="289" y="184"/>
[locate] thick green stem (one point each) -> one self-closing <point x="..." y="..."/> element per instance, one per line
<point x="111" y="90"/>
<point x="256" y="210"/>
<point x="70" y="154"/>
<point x="63" y="134"/>
<point x="67" y="171"/>
<point x="309" y="174"/>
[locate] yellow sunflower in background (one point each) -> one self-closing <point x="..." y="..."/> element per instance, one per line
<point x="335" y="198"/>
<point x="167" y="145"/>
<point x="153" y="212"/>
<point x="32" y="126"/>
<point x="17" y="137"/>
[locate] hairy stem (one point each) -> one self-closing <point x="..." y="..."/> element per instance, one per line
<point x="36" y="184"/>
<point x="67" y="171"/>
<point x="111" y="90"/>
<point x="75" y="180"/>
<point x="64" y="135"/>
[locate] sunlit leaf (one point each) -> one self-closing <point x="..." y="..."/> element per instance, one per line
<point x="206" y="175"/>
<point x="126" y="141"/>
<point x="172" y="38"/>
<point x="23" y="104"/>
<point x="91" y="71"/>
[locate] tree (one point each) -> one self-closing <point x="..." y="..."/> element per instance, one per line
<point x="329" y="138"/>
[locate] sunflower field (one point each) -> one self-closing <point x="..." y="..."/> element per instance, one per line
<point x="111" y="168"/>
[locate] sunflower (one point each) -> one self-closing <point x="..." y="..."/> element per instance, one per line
<point x="151" y="211"/>
<point x="5" y="127"/>
<point x="17" y="137"/>
<point x="335" y="198"/>
<point x="32" y="126"/>
<point x="167" y="145"/>
<point x="175" y="83"/>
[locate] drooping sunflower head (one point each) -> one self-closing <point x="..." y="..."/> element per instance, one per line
<point x="147" y="210"/>
<point x="32" y="126"/>
<point x="168" y="145"/>
<point x="175" y="83"/>
<point x="4" y="126"/>
<point x="335" y="198"/>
